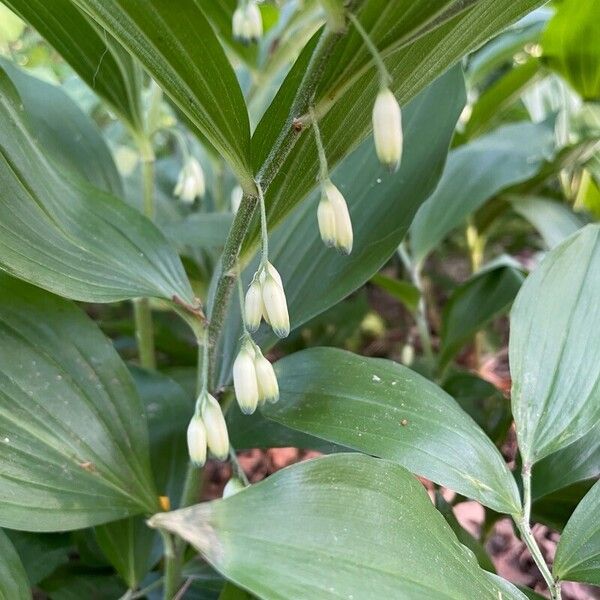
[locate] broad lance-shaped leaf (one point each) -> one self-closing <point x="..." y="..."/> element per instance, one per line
<point x="555" y="221"/>
<point x="73" y="437"/>
<point x="58" y="232"/>
<point x="476" y="302"/>
<point x="554" y="335"/>
<point x="419" y="41"/>
<point x="343" y="526"/>
<point x="577" y="462"/>
<point x="129" y="544"/>
<point x="381" y="205"/>
<point x="178" y="47"/>
<point x="13" y="579"/>
<point x="92" y="52"/>
<point x="64" y="130"/>
<point x="578" y="552"/>
<point x="475" y="173"/>
<point x="382" y="408"/>
<point x="570" y="45"/>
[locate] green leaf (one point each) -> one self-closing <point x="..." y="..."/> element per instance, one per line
<point x="475" y="303"/>
<point x="179" y="48"/>
<point x="94" y="54"/>
<point x="555" y="221"/>
<point x="483" y="402"/>
<point x="464" y="537"/>
<point x="315" y="277"/>
<point x="555" y="322"/>
<point x="41" y="553"/>
<point x="418" y="42"/>
<point x="129" y="544"/>
<point x="570" y="45"/>
<point x="403" y="291"/>
<point x="502" y="94"/>
<point x="577" y="462"/>
<point x="475" y="173"/>
<point x="13" y="579"/>
<point x="200" y="230"/>
<point x="555" y="509"/>
<point x="68" y="237"/>
<point x="501" y="49"/>
<point x="232" y="592"/>
<point x="75" y="584"/>
<point x="73" y="440"/>
<point x="578" y="552"/>
<point x="382" y="408"/>
<point x="69" y="135"/>
<point x="366" y="523"/>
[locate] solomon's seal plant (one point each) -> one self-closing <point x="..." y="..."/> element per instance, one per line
<point x="174" y="180"/>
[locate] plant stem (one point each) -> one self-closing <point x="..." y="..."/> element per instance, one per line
<point x="286" y="140"/>
<point x="264" y="230"/>
<point x="144" y="330"/>
<point x="385" y="79"/>
<point x="420" y="315"/>
<point x="523" y="524"/>
<point x="172" y="570"/>
<point x="323" y="166"/>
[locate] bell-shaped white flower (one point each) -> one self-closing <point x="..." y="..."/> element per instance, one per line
<point x="190" y="184"/>
<point x="196" y="440"/>
<point x="216" y="429"/>
<point x="236" y="198"/>
<point x="244" y="380"/>
<point x="344" y="237"/>
<point x="253" y="306"/>
<point x="275" y="308"/>
<point x="326" y="219"/>
<point x="232" y="487"/>
<point x="247" y="22"/>
<point x="387" y="129"/>
<point x="268" y="388"/>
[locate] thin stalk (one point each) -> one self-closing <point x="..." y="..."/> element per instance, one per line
<point x="172" y="570"/>
<point x="144" y="330"/>
<point x="385" y="79"/>
<point x="264" y="231"/>
<point x="323" y="166"/>
<point x="237" y="468"/>
<point x="476" y="246"/>
<point x="523" y="524"/>
<point x="420" y="316"/>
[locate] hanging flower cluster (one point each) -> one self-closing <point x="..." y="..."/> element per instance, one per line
<point x="207" y="430"/>
<point x="254" y="378"/>
<point x="247" y="24"/>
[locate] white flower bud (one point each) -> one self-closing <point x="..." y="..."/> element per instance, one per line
<point x="244" y="380"/>
<point x="253" y="306"/>
<point x="268" y="388"/>
<point x="343" y="225"/>
<point x="216" y="428"/>
<point x="236" y="198"/>
<point x="387" y="129"/>
<point x="247" y="23"/>
<point x="196" y="440"/>
<point x="326" y="218"/>
<point x="232" y="487"/>
<point x="190" y="183"/>
<point x="275" y="305"/>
